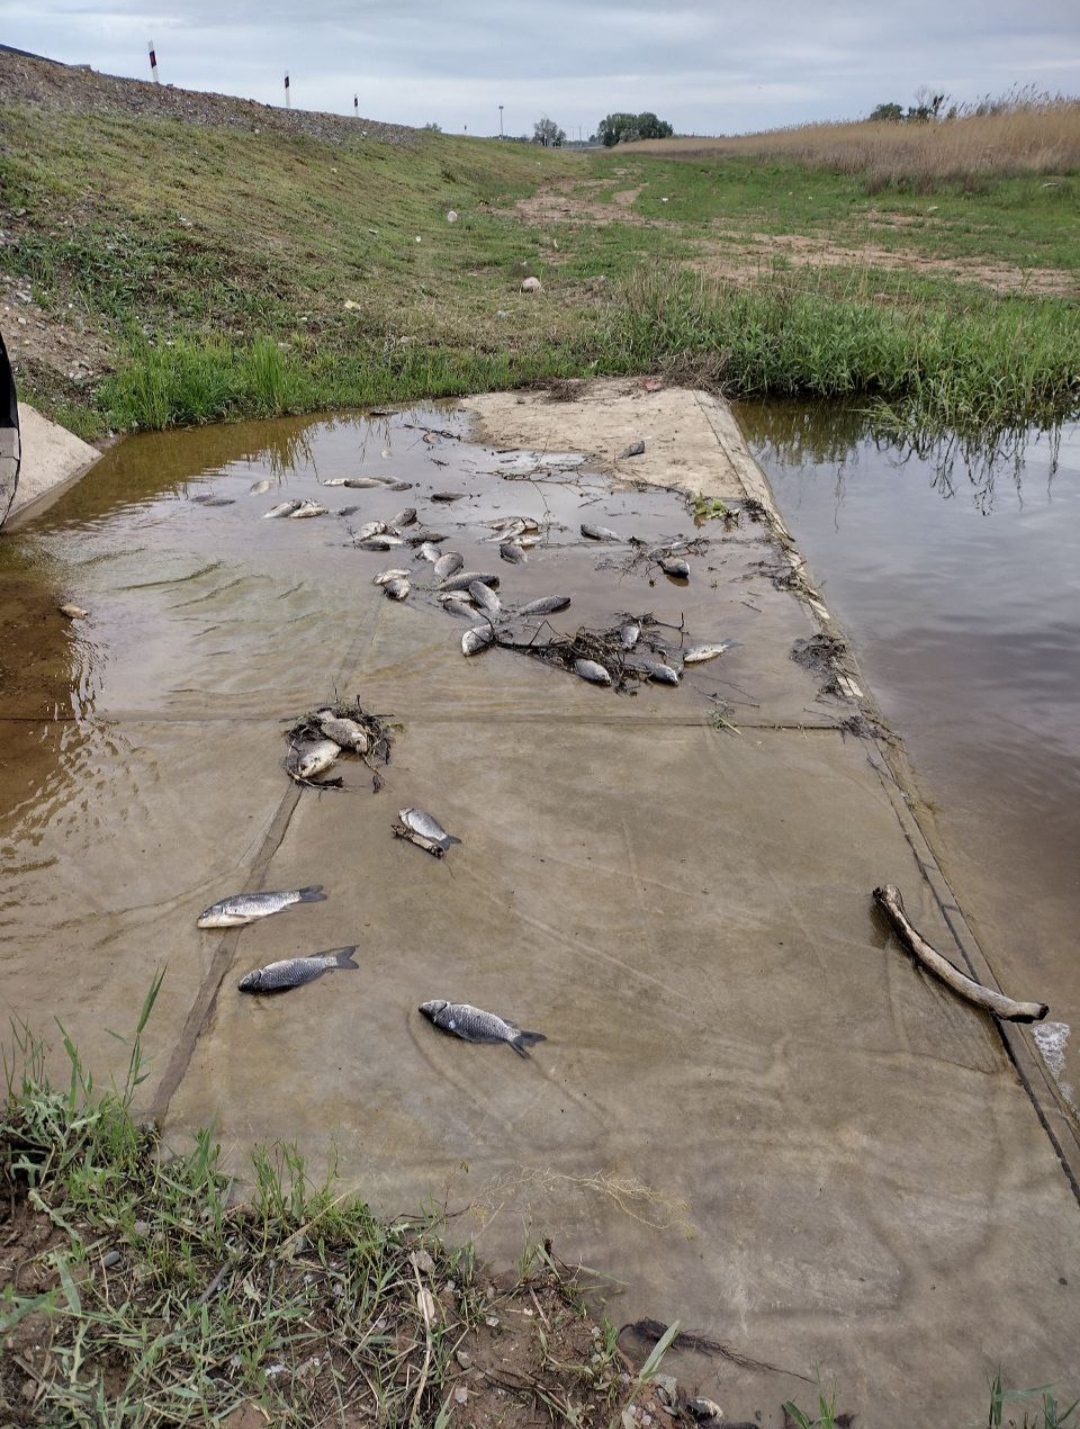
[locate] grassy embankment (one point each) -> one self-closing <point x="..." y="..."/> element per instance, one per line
<point x="242" y="273"/>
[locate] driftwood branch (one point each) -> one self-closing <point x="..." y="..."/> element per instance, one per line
<point x="888" y="898"/>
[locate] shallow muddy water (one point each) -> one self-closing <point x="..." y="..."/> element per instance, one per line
<point x="959" y="584"/>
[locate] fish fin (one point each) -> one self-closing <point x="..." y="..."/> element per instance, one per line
<point x="524" y="1040"/>
<point x="448" y="840"/>
<point x="312" y="894"/>
<point x="343" y="958"/>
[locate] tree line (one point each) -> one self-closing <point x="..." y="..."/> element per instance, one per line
<point x="612" y="130"/>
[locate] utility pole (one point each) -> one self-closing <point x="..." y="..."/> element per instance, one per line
<point x="500" y="121"/>
<point x="288" y="104"/>
<point x="153" y="62"/>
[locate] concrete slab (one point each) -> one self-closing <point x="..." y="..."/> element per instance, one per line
<point x="52" y="458"/>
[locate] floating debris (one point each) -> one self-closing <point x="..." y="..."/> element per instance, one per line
<point x="211" y="500"/>
<point x="473" y="1024"/>
<point x="294" y="972"/>
<point x="242" y="908"/>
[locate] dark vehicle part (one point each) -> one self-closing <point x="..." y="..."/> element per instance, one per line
<point x="10" y="439"/>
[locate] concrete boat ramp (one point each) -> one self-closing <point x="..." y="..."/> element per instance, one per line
<point x="752" y="1112"/>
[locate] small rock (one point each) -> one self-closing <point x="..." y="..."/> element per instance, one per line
<point x="531" y="285"/>
<point x="423" y="1262"/>
<point x="418" y="239"/>
<point x="492" y="1322"/>
<point x="29" y="1389"/>
<point x="351" y="306"/>
<point x="502" y="313"/>
<point x="451" y="217"/>
<point x="461" y="1395"/>
<point x="110" y="1258"/>
<point x="463" y="1358"/>
<point x="634" y="449"/>
<point x="667" y="1388"/>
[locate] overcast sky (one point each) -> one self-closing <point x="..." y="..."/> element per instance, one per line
<point x="707" y="68"/>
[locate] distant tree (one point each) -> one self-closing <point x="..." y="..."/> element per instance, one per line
<point x="625" y="128"/>
<point x="433" y="128"/>
<point x="893" y="113"/>
<point x="548" y="133"/>
<point x="927" y="105"/>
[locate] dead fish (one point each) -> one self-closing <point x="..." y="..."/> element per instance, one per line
<point x="369" y="529"/>
<point x="634" y="449"/>
<point x="507" y="531"/>
<point x="629" y="634"/>
<point x="458" y="603"/>
<point x="473" y="1024"/>
<point x="294" y="972"/>
<point x="405" y="517"/>
<point x="448" y="564"/>
<point x="592" y="671"/>
<point x="397" y="589"/>
<point x="335" y="481"/>
<point x="422" y="536"/>
<point x="380" y="543"/>
<point x="659" y="671"/>
<point x="427" y="826"/>
<point x="344" y="731"/>
<point x="599" y="533"/>
<point x="305" y="761"/>
<point x="361" y="483"/>
<point x="476" y="639"/>
<point x="447" y="495"/>
<point x="545" y="605"/>
<point x="399" y="486"/>
<point x="346" y="511"/>
<point x="215" y="500"/>
<point x="390" y="575"/>
<point x="466" y="578"/>
<point x="305" y="509"/>
<point x="675" y="566"/>
<point x="485" y="597"/>
<point x="283" y="508"/>
<point x="241" y="908"/>
<point x="73" y="612"/>
<point x="512" y="552"/>
<point x="699" y="653"/>
<point x="258" y="487"/>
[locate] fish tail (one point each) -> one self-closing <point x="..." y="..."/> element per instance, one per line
<point x="312" y="894"/>
<point x="525" y="1040"/>
<point x="448" y="840"/>
<point x="343" y="958"/>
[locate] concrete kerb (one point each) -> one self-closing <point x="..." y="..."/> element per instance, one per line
<point x="52" y="460"/>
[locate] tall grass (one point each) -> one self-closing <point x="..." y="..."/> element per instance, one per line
<point x="1038" y="135"/>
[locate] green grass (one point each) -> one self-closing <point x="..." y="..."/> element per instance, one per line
<point x="240" y="274"/>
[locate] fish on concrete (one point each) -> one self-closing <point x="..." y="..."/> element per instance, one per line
<point x="448" y="564"/>
<point x="599" y="533"/>
<point x="294" y="972"/>
<point x="629" y="634"/>
<point x="546" y="605"/>
<point x="424" y="536"/>
<point x="241" y="908"/>
<point x="473" y="1024"/>
<point x="283" y="508"/>
<point x="348" y="733"/>
<point x="397" y="589"/>
<point x="513" y="553"/>
<point x="658" y="670"/>
<point x="360" y="483"/>
<point x="592" y="671"/>
<point x="698" y="654"/>
<point x="421" y="822"/>
<point x="458" y="603"/>
<point x="305" y="761"/>
<point x="485" y="597"/>
<point x="428" y="552"/>
<point x="405" y="517"/>
<point x="478" y="638"/>
<point x="394" y="573"/>
<point x="369" y="529"/>
<point x="464" y="580"/>
<point x="380" y="543"/>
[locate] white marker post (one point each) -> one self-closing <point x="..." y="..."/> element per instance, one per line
<point x="153" y="62"/>
<point x="288" y="105"/>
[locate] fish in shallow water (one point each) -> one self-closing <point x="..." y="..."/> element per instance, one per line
<point x="428" y="551"/>
<point x="307" y="508"/>
<point x="369" y="529"/>
<point x="308" y="760"/>
<point x="258" y="487"/>
<point x="360" y="483"/>
<point x="512" y="552"/>
<point x="592" y="671"/>
<point x="448" y="564"/>
<point x="447" y="495"/>
<point x="283" y="508"/>
<point x="344" y="731"/>
<point x="545" y="605"/>
<point x="294" y="972"/>
<point x="473" y="1024"/>
<point x="697" y="654"/>
<point x="380" y="543"/>
<point x="485" y="597"/>
<point x="406" y="517"/>
<point x="477" y="639"/>
<point x="465" y="579"/>
<point x="675" y="566"/>
<point x="391" y="575"/>
<point x="241" y="908"/>
<point x="599" y="533"/>
<point x="397" y="589"/>
<point x="458" y="603"/>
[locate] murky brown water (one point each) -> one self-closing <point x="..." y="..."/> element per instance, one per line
<point x="959" y="583"/>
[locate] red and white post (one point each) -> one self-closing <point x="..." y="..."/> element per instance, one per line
<point x="153" y="62"/>
<point x="288" y="104"/>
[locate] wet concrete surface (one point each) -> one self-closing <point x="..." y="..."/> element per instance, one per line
<point x="751" y="1112"/>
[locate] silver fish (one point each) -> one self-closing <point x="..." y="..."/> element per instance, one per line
<point x="591" y="671"/>
<point x="335" y="481"/>
<point x="458" y="603"/>
<point x="485" y="597"/>
<point x="512" y="552"/>
<point x="448" y="564"/>
<point x="427" y="826"/>
<point x="369" y="529"/>
<point x="699" y="653"/>
<point x="478" y="638"/>
<point x="73" y="612"/>
<point x="361" y="483"/>
<point x="424" y="536"/>
<point x="283" y="508"/>
<point x="389" y="575"/>
<point x="599" y="533"/>
<point x="657" y="670"/>
<point x="447" y="495"/>
<point x="629" y="634"/>
<point x="397" y="589"/>
<point x="380" y="543"/>
<point x="428" y="552"/>
<point x="675" y="566"/>
<point x="307" y="760"/>
<point x="465" y="579"/>
<point x="344" y="731"/>
<point x="258" y="487"/>
<point x="294" y="972"/>
<point x="399" y="486"/>
<point x="545" y="605"/>
<point x="241" y="908"/>
<point x="506" y="531"/>
<point x="406" y="517"/>
<point x="305" y="509"/>
<point x="473" y="1024"/>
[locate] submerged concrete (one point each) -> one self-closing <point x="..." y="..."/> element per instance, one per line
<point x="752" y="1112"/>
